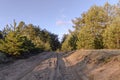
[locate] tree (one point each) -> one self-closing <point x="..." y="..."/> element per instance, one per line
<point x="94" y="21"/>
<point x="23" y="39"/>
<point x="42" y="39"/>
<point x="66" y="46"/>
<point x="14" y="44"/>
<point x="73" y="40"/>
<point x="111" y="36"/>
<point x="54" y="42"/>
<point x="69" y="42"/>
<point x="64" y="38"/>
<point x="85" y="39"/>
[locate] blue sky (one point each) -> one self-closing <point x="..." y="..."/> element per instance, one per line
<point x="54" y="15"/>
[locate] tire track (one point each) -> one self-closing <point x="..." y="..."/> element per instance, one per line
<point x="43" y="71"/>
<point x="27" y="72"/>
<point x="23" y="69"/>
<point x="58" y="74"/>
<point x="77" y="75"/>
<point x="63" y="70"/>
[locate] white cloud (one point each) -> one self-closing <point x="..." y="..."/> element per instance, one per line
<point x="62" y="23"/>
<point x="62" y="19"/>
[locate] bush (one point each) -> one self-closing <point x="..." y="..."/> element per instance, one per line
<point x="15" y="44"/>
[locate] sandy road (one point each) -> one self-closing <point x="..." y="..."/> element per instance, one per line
<point x="46" y="66"/>
<point x="22" y="68"/>
<point x="64" y="71"/>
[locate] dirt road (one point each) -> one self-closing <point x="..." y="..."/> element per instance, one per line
<point x="45" y="66"/>
<point x="79" y="65"/>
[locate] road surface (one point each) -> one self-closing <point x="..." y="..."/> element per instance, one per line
<point x="45" y="66"/>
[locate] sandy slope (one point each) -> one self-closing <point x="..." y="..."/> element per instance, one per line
<point x="78" y="65"/>
<point x="97" y="64"/>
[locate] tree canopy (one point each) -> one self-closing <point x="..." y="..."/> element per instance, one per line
<point x="22" y="39"/>
<point x="98" y="28"/>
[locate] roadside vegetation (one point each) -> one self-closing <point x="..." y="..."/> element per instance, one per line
<point x="98" y="28"/>
<point x="24" y="40"/>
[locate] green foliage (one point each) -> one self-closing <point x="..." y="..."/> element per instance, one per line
<point x="33" y="33"/>
<point x="90" y="28"/>
<point x="111" y="36"/>
<point x="47" y="47"/>
<point x="98" y="42"/>
<point x="73" y="41"/>
<point x="64" y="38"/>
<point x="69" y="42"/>
<point x="85" y="39"/>
<point x="54" y="42"/>
<point x="26" y="39"/>
<point x="97" y="28"/>
<point x="15" y="44"/>
<point x="65" y="45"/>
<point x="11" y="45"/>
